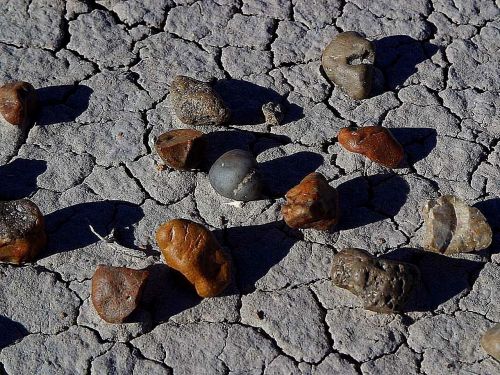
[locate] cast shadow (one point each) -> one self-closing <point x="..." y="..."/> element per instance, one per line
<point x="11" y="331"/>
<point x="490" y="208"/>
<point x="68" y="228"/>
<point x="18" y="178"/>
<point x="417" y="142"/>
<point x="441" y="277"/>
<point x="397" y="56"/>
<point x="245" y="100"/>
<point x="62" y="103"/>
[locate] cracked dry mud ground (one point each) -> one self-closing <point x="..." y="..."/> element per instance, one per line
<point x="103" y="70"/>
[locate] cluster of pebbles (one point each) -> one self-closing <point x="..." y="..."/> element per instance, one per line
<point x="450" y="225"/>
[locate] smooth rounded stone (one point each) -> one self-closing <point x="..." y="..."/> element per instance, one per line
<point x="18" y="103"/>
<point x="348" y="62"/>
<point x="274" y="113"/>
<point x="234" y="175"/>
<point x="451" y="226"/>
<point x="490" y="341"/>
<point x="181" y="148"/>
<point x="191" y="249"/>
<point x="374" y="142"/>
<point x="197" y="103"/>
<point x="22" y="231"/>
<point x="383" y="285"/>
<point x="116" y="291"/>
<point x="311" y="204"/>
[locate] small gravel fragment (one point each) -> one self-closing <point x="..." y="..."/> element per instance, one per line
<point x="273" y="113"/>
<point x="18" y="103"/>
<point x="491" y="342"/>
<point x="181" y="148"/>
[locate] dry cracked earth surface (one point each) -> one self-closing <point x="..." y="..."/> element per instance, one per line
<point x="103" y="68"/>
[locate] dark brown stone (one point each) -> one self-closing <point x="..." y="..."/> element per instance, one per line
<point x="383" y="285"/>
<point x="374" y="142"/>
<point x="192" y="250"/>
<point x="274" y="113"/>
<point x="22" y="231"/>
<point x="311" y="204"/>
<point x="18" y="103"/>
<point x="181" y="148"/>
<point x="116" y="291"/>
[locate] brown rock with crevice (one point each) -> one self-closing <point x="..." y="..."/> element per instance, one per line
<point x="191" y="249"/>
<point x="181" y="148"/>
<point x="18" y="103"/>
<point x="22" y="231"/>
<point x="116" y="291"/>
<point x="313" y="203"/>
<point x="375" y="142"/>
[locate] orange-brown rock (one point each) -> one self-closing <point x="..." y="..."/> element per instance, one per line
<point x="22" y="231"/>
<point x="116" y="291"/>
<point x="181" y="148"/>
<point x="374" y="142"/>
<point x="311" y="204"/>
<point x="192" y="250"/>
<point x="18" y="102"/>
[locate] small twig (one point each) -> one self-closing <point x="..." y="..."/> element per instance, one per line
<point x="110" y="240"/>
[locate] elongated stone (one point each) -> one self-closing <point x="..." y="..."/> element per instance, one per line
<point x="18" y="103"/>
<point x="181" y="148"/>
<point x="383" y="285"/>
<point x="451" y="226"/>
<point x="491" y="341"/>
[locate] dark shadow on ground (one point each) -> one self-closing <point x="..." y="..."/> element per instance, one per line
<point x="10" y="331"/>
<point x="62" y="103"/>
<point x="18" y="178"/>
<point x="245" y="100"/>
<point x="417" y="142"/>
<point x="441" y="277"/>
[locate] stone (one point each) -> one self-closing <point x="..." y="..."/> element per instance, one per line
<point x="348" y="62"/>
<point x="181" y="148"/>
<point x="191" y="249"/>
<point x="22" y="231"/>
<point x="273" y="113"/>
<point x="374" y="142"/>
<point x="18" y="103"/>
<point x="383" y="285"/>
<point x="490" y="341"/>
<point x="451" y="226"/>
<point x="116" y="291"/>
<point x="197" y="103"/>
<point x="235" y="175"/>
<point x="311" y="204"/>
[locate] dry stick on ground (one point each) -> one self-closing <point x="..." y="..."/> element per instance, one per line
<point x="111" y="241"/>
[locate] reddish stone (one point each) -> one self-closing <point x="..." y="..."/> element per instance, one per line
<point x="374" y="142"/>
<point x="116" y="291"/>
<point x="181" y="148"/>
<point x="311" y="204"/>
<point x="18" y="103"/>
<point x="192" y="250"/>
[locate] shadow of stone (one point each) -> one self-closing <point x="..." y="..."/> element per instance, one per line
<point x="11" y="331"/>
<point x="417" y="142"/>
<point x="18" y="178"/>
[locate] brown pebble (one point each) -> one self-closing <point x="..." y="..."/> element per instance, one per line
<point x="311" y="204"/>
<point x="18" y="103"/>
<point x="490" y="341"/>
<point x="191" y="249"/>
<point x="374" y="142"/>
<point x="116" y="291"/>
<point x="22" y="231"/>
<point x="181" y="148"/>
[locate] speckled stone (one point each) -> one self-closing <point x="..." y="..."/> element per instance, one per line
<point x="18" y="103"/>
<point x="490" y="341"/>
<point x="181" y="148"/>
<point x="274" y="113"/>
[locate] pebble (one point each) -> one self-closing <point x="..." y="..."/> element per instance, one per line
<point x="116" y="291"/>
<point x="451" y="226"/>
<point x="274" y="113"/>
<point x="234" y="175"/>
<point x="22" y="231"/>
<point x="18" y="103"/>
<point x="311" y="204"/>
<point x="348" y="62"/>
<point x="383" y="285"/>
<point x="197" y="103"/>
<point x="374" y="142"/>
<point x="191" y="249"/>
<point x="181" y="148"/>
<point x="491" y="341"/>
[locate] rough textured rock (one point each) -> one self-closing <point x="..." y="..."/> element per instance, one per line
<point x="235" y="175"/>
<point x="348" y="62"/>
<point x="191" y="249"/>
<point x="312" y="204"/>
<point x="383" y="285"/>
<point x="22" y="231"/>
<point x="490" y="342"/>
<point x="197" y="103"/>
<point x="181" y="148"/>
<point x="18" y="103"/>
<point x="451" y="226"/>
<point x="273" y="113"/>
